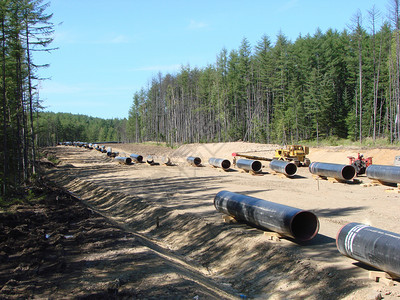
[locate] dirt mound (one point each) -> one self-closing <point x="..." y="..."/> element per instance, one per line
<point x="381" y="156"/>
<point x="156" y="150"/>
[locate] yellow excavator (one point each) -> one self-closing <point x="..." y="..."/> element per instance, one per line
<point x="294" y="153"/>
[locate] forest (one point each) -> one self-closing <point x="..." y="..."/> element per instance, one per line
<point x="333" y="84"/>
<point x="60" y="127"/>
<point x="25" y="27"/>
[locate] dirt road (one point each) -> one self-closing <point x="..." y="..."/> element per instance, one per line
<point x="172" y="207"/>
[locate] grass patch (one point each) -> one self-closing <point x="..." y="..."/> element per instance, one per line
<point x="26" y="196"/>
<point x="6" y="203"/>
<point x="52" y="158"/>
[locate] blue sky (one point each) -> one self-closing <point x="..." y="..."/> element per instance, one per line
<point x="110" y="49"/>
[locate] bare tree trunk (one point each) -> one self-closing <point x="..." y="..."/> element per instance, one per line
<point x="28" y="57"/>
<point x="4" y="104"/>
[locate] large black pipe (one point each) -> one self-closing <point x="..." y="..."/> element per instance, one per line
<point x="373" y="246"/>
<point x="337" y="171"/>
<point x="288" y="221"/>
<point x="220" y="163"/>
<point x="284" y="167"/>
<point x="194" y="161"/>
<point x="249" y="165"/>
<point x="137" y="158"/>
<point x="123" y="160"/>
<point x="389" y="174"/>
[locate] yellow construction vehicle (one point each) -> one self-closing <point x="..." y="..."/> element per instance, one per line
<point x="295" y="153"/>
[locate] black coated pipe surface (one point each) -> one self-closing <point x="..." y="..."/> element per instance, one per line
<point x="194" y="161"/>
<point x="373" y="246"/>
<point x="137" y="158"/>
<point x="284" y="167"/>
<point x="249" y="165"/>
<point x="220" y="163"/>
<point x="337" y="171"/>
<point x="292" y="222"/>
<point x="123" y="160"/>
<point x="389" y="174"/>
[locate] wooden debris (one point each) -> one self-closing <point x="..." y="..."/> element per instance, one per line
<point x="273" y="236"/>
<point x="380" y="276"/>
<point x="229" y="219"/>
<point x="255" y="173"/>
<point x="393" y="190"/>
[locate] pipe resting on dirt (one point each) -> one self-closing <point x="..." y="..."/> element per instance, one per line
<point x="220" y="163"/>
<point x="194" y="161"/>
<point x="337" y="171"/>
<point x="150" y="159"/>
<point x="249" y="165"/>
<point x="385" y="174"/>
<point x="373" y="246"/>
<point x="288" y="221"/>
<point x="137" y="158"/>
<point x="123" y="160"/>
<point x="285" y="167"/>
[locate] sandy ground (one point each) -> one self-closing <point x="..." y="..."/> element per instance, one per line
<point x="172" y="206"/>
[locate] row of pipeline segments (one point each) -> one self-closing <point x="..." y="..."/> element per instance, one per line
<point x="382" y="173"/>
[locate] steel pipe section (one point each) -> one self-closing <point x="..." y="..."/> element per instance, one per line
<point x="166" y="160"/>
<point x="137" y="158"/>
<point x="249" y="165"/>
<point x="123" y="160"/>
<point x="194" y="161"/>
<point x="109" y="151"/>
<point x="150" y="159"/>
<point x="388" y="174"/>
<point x="220" y="163"/>
<point x="288" y="221"/>
<point x="373" y="246"/>
<point x="284" y="167"/>
<point x="337" y="171"/>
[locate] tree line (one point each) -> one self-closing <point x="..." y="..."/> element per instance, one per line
<point x="24" y="28"/>
<point x="53" y="128"/>
<point x="330" y="84"/>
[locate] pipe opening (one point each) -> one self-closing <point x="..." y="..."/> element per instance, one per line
<point x="197" y="161"/>
<point x="226" y="164"/>
<point x="304" y="226"/>
<point x="256" y="166"/>
<point x="137" y="158"/>
<point x="291" y="169"/>
<point x="348" y="172"/>
<point x="128" y="160"/>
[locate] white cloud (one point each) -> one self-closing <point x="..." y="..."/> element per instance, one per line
<point x="197" y="25"/>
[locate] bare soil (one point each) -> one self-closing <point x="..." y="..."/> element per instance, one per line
<point x="151" y="232"/>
